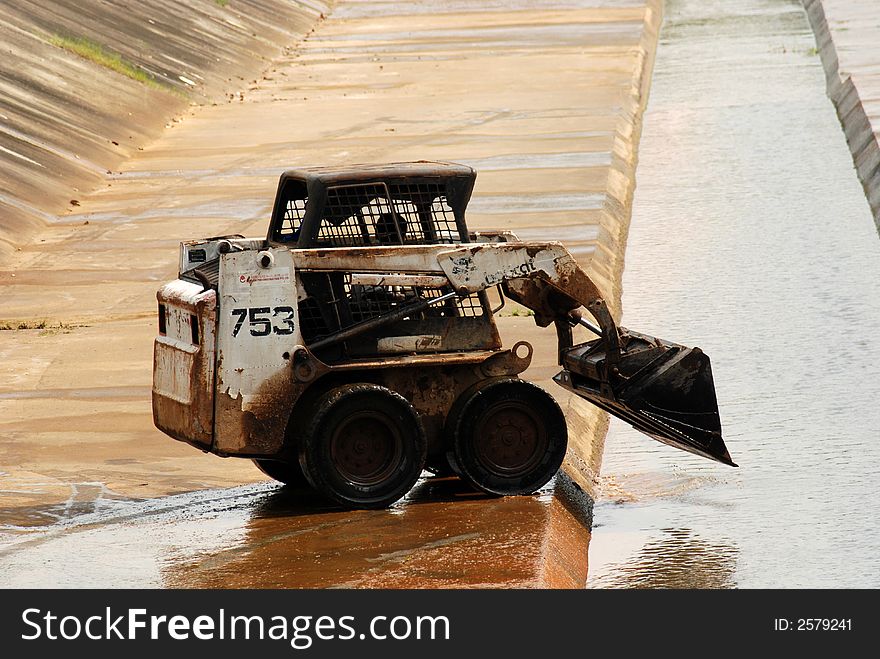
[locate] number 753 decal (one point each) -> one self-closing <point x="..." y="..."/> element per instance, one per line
<point x="263" y="321"/>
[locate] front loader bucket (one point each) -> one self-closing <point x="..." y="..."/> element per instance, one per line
<point x="663" y="389"/>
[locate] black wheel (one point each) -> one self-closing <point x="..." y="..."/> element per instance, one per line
<point x="364" y="446"/>
<point x="508" y="436"/>
<point x="282" y="471"/>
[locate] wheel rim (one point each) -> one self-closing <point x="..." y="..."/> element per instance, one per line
<point x="510" y="439"/>
<point x="366" y="448"/>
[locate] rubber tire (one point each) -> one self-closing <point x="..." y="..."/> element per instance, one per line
<point x="477" y="405"/>
<point x="282" y="471"/>
<point x="331" y="413"/>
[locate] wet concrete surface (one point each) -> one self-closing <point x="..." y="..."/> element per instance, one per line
<point x="77" y="444"/>
<point x="265" y="536"/>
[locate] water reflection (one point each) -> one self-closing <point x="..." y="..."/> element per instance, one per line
<point x="442" y="535"/>
<point x="680" y="558"/>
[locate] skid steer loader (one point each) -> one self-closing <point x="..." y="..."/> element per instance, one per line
<point x="355" y="344"/>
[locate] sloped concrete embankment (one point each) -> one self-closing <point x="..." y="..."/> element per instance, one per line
<point x="607" y="268"/>
<point x="847" y="37"/>
<point x="85" y="83"/>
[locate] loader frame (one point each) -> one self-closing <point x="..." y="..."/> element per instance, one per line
<point x="356" y="344"/>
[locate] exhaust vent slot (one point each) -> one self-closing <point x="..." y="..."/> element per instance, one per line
<point x="194" y="329"/>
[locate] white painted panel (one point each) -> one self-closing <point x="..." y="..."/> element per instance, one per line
<point x="258" y="320"/>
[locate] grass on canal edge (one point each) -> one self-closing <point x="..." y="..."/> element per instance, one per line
<point x="95" y="52"/>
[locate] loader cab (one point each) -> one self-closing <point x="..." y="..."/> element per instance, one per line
<point x="369" y="206"/>
<point x="420" y="203"/>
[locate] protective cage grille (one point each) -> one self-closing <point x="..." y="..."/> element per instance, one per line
<point x="349" y="304"/>
<point x="364" y="215"/>
<point x="294" y="212"/>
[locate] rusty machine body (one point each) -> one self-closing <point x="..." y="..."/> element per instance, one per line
<point x="355" y="344"/>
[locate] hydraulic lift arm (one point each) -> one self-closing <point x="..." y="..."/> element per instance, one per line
<point x="663" y="389"/>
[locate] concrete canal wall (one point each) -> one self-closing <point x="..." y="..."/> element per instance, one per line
<point x="848" y="37"/>
<point x="85" y="83"/>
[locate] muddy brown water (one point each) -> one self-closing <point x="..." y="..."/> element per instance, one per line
<point x="751" y="238"/>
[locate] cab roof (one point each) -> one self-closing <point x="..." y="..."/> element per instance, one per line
<point x="358" y="173"/>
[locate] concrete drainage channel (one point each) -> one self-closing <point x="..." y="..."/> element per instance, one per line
<point x="748" y="199"/>
<point x="670" y="534"/>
